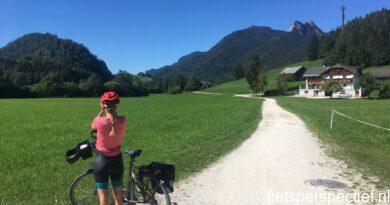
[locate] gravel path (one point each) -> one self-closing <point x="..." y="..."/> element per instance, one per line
<point x="278" y="164"/>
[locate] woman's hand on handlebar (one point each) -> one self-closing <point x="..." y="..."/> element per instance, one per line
<point x="93" y="134"/>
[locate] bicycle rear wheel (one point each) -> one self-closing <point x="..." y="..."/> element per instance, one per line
<point x="143" y="192"/>
<point x="163" y="198"/>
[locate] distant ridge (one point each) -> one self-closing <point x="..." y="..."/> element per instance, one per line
<point x="274" y="48"/>
<point x="31" y="57"/>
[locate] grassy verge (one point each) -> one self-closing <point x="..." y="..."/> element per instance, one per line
<point x="361" y="145"/>
<point x="241" y="86"/>
<point x="189" y="130"/>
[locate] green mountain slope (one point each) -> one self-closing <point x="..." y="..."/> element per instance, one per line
<point x="274" y="47"/>
<point x="241" y="86"/>
<point x="364" y="41"/>
<point x="32" y="57"/>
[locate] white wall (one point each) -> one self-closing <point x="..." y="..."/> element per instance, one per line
<point x="310" y="92"/>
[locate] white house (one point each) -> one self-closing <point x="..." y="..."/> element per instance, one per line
<point x="313" y="77"/>
<point x="347" y="76"/>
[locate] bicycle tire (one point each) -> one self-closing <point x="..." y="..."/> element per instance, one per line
<point x="167" y="200"/>
<point x="163" y="199"/>
<point x="88" y="189"/>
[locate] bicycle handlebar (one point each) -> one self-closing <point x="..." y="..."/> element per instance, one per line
<point x="93" y="134"/>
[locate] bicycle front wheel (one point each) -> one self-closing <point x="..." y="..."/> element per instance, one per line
<point x="83" y="190"/>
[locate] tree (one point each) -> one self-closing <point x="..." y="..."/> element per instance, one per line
<point x="49" y="65"/>
<point x="50" y="85"/>
<point x="238" y="71"/>
<point x="141" y="74"/>
<point x="92" y="86"/>
<point x="72" y="89"/>
<point x="114" y="86"/>
<point x="363" y="41"/>
<point x="368" y="83"/>
<point x="180" y="81"/>
<point x="166" y="82"/>
<point x="385" y="89"/>
<point x="332" y="86"/>
<point x="174" y="90"/>
<point x="193" y="84"/>
<point x="124" y="79"/>
<point x="313" y="49"/>
<point x="282" y="83"/>
<point x="256" y="76"/>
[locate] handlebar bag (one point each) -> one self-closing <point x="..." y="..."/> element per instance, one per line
<point x="72" y="156"/>
<point x="85" y="149"/>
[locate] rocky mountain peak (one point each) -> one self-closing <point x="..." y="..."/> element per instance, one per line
<point x="305" y="28"/>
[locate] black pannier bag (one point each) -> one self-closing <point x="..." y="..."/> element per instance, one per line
<point x="159" y="171"/>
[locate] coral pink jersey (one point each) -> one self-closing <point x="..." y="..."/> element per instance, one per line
<point x="106" y="144"/>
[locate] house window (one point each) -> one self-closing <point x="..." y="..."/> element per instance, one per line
<point x="306" y="91"/>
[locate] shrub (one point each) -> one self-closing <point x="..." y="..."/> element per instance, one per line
<point x="385" y="89"/>
<point x="193" y="84"/>
<point x="331" y="87"/>
<point x="375" y="94"/>
<point x="174" y="90"/>
<point x="282" y="83"/>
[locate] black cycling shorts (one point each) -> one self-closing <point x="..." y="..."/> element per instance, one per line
<point x="105" y="168"/>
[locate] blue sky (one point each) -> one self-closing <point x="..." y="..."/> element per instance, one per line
<point x="138" y="35"/>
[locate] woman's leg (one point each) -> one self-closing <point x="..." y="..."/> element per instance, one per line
<point x="101" y="175"/>
<point x="116" y="176"/>
<point x="117" y="193"/>
<point x="103" y="196"/>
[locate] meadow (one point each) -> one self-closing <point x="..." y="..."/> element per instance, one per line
<point x="188" y="130"/>
<point x="358" y="144"/>
<point x="241" y="86"/>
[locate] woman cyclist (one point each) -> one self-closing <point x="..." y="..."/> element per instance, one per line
<point x="108" y="162"/>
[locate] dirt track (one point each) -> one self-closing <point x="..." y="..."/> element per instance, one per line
<point x="278" y="159"/>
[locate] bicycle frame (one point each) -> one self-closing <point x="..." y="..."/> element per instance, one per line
<point x="140" y="188"/>
<point x="134" y="178"/>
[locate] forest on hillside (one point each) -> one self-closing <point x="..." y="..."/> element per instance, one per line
<point x="363" y="42"/>
<point x="43" y="65"/>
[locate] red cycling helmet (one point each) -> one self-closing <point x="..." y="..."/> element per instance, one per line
<point x="110" y="97"/>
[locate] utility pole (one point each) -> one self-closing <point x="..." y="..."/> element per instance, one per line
<point x="342" y="15"/>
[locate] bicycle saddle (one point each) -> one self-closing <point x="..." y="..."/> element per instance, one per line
<point x="133" y="154"/>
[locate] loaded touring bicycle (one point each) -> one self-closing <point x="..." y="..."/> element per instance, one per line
<point x="146" y="184"/>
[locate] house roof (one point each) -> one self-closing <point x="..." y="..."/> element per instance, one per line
<point x="314" y="72"/>
<point x="352" y="69"/>
<point x="380" y="73"/>
<point x="291" y="70"/>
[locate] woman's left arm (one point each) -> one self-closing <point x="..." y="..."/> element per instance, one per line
<point x="93" y="124"/>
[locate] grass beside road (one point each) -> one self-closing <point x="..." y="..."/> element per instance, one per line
<point x="188" y="130"/>
<point x="234" y="87"/>
<point x="361" y="145"/>
<point x="241" y="86"/>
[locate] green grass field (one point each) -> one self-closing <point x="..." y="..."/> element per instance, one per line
<point x="361" y="145"/>
<point x="241" y="86"/>
<point x="381" y="67"/>
<point x="188" y="130"/>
